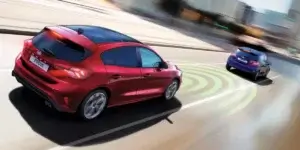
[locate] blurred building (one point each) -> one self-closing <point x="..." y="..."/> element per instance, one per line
<point x="247" y="15"/>
<point x="239" y="12"/>
<point x="227" y="8"/>
<point x="278" y="26"/>
<point x="294" y="14"/>
<point x="259" y="20"/>
<point x="278" y="22"/>
<point x="244" y="13"/>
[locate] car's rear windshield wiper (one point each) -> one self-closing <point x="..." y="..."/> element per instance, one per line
<point x="48" y="52"/>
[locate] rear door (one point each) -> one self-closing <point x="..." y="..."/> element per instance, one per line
<point x="124" y="74"/>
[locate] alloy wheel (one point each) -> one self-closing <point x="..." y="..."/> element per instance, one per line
<point x="94" y="105"/>
<point x="171" y="90"/>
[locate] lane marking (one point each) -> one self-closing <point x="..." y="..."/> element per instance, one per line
<point x="190" y="105"/>
<point x="244" y="103"/>
<point x="197" y="64"/>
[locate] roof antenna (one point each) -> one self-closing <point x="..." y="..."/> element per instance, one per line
<point x="79" y="31"/>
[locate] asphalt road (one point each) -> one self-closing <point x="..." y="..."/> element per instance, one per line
<point x="215" y="109"/>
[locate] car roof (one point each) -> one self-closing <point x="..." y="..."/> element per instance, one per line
<point x="256" y="52"/>
<point x="100" y="35"/>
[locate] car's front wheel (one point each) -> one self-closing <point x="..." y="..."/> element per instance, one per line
<point x="93" y="105"/>
<point x="171" y="90"/>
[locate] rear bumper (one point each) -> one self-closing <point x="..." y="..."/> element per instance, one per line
<point x="33" y="88"/>
<point x="64" y="97"/>
<point x="242" y="67"/>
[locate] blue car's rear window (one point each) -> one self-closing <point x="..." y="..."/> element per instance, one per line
<point x="248" y="55"/>
<point x="59" y="48"/>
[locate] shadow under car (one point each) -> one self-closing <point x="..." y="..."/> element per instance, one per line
<point x="261" y="81"/>
<point x="114" y="123"/>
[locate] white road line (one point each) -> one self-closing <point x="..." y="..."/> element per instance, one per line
<point x="190" y="105"/>
<point x="179" y="62"/>
<point x="199" y="64"/>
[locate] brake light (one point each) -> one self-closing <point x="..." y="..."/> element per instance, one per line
<point x="19" y="56"/>
<point x="27" y="44"/>
<point x="254" y="63"/>
<point x="64" y="72"/>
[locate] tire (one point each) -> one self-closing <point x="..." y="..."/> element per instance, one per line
<point x="265" y="75"/>
<point x="255" y="76"/>
<point x="228" y="67"/>
<point x="93" y="105"/>
<point x="173" y="86"/>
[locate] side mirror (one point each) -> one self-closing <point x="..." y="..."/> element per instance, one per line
<point x="161" y="65"/>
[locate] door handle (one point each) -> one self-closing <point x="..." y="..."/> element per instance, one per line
<point x="116" y="76"/>
<point x="146" y="75"/>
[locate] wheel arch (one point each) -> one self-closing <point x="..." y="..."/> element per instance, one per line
<point x="178" y="80"/>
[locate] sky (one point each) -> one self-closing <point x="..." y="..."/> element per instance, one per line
<point x="276" y="5"/>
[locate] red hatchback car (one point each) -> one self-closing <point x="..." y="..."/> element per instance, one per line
<point x="85" y="69"/>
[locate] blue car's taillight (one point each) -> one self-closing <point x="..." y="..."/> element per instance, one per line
<point x="254" y="63"/>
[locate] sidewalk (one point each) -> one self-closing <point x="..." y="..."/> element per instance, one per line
<point x="38" y="16"/>
<point x="148" y="31"/>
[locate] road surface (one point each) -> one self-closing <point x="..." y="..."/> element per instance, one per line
<point x="215" y="109"/>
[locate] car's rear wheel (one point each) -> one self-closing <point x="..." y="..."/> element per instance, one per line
<point x="171" y="90"/>
<point x="93" y="105"/>
<point x="266" y="74"/>
<point x="255" y="76"/>
<point x="228" y="67"/>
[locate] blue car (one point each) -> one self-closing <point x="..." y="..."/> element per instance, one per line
<point x="250" y="61"/>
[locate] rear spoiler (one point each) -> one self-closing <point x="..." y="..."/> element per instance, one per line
<point x="246" y="51"/>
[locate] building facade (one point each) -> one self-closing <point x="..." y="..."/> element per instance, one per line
<point x="294" y="14"/>
<point x="227" y="8"/>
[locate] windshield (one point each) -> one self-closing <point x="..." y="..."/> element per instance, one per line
<point x="59" y="48"/>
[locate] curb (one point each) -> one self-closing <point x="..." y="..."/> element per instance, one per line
<point x="18" y="32"/>
<point x="151" y="43"/>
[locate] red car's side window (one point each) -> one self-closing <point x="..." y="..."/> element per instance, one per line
<point x="122" y="56"/>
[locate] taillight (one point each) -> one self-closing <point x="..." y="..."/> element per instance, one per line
<point x="65" y="72"/>
<point x="27" y="44"/>
<point x="19" y="56"/>
<point x="254" y="63"/>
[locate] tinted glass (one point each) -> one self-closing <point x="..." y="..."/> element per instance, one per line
<point x="248" y="55"/>
<point x="124" y="56"/>
<point x="149" y="58"/>
<point x="59" y="48"/>
<point x="263" y="58"/>
<point x="101" y="35"/>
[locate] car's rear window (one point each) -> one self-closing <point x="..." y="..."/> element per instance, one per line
<point x="249" y="55"/>
<point x="59" y="48"/>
